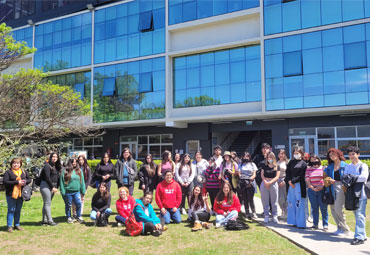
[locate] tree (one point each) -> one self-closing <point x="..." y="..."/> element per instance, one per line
<point x="33" y="110"/>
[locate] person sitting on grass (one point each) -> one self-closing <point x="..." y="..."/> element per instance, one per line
<point x="125" y="205"/>
<point x="168" y="198"/>
<point x="199" y="210"/>
<point x="100" y="205"/>
<point x="144" y="213"/>
<point x="227" y="205"/>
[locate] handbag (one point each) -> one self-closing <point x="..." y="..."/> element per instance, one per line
<point x="134" y="228"/>
<point x="327" y="196"/>
<point x="26" y="193"/>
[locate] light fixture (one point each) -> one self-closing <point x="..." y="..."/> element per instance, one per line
<point x="90" y="7"/>
<point x="30" y="22"/>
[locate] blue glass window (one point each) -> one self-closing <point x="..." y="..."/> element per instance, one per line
<point x="355" y="55"/>
<point x="353" y="9"/>
<point x="109" y="87"/>
<point x="292" y="63"/>
<point x="291" y="13"/>
<point x="80" y="88"/>
<point x="312" y="61"/>
<point x="189" y="11"/>
<point x="146" y="82"/>
<point x="146" y="21"/>
<point x="311" y="13"/>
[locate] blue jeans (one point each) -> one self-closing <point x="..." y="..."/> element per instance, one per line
<point x="223" y="220"/>
<point x="120" y="219"/>
<point x="175" y="216"/>
<point x="360" y="215"/>
<point x="316" y="203"/>
<point x="14" y="210"/>
<point x="76" y="199"/>
<point x="296" y="207"/>
<point x="107" y="212"/>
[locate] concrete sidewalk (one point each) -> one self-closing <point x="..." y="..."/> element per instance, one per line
<point x="315" y="241"/>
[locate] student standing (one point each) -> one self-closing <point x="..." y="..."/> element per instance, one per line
<point x="100" y="205"/>
<point x="269" y="187"/>
<point x="166" y="164"/>
<point x="104" y="171"/>
<point x="295" y="177"/>
<point x="85" y="169"/>
<point x="125" y="205"/>
<point x="212" y="180"/>
<point x="361" y="171"/>
<point x="227" y="205"/>
<point x="199" y="166"/>
<point x="15" y="179"/>
<point x="259" y="160"/>
<point x="228" y="169"/>
<point x="49" y="186"/>
<point x="168" y="198"/>
<point x="185" y="176"/>
<point x="72" y="185"/>
<point x="282" y="165"/>
<point x="333" y="181"/>
<point x="147" y="174"/>
<point x="126" y="171"/>
<point x="217" y="151"/>
<point x="315" y="185"/>
<point x="199" y="210"/>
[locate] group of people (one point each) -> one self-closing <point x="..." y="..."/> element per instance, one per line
<point x="224" y="180"/>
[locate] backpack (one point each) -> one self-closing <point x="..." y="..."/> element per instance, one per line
<point x="38" y="173"/>
<point x="366" y="184"/>
<point x="102" y="221"/>
<point x="236" y="225"/>
<point x="26" y="193"/>
<point x="134" y="228"/>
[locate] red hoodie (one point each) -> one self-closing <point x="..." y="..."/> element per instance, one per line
<point x="168" y="195"/>
<point x="220" y="208"/>
<point x="124" y="208"/>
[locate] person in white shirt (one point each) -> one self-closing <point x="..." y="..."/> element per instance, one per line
<point x="217" y="150"/>
<point x="185" y="176"/>
<point x="199" y="166"/>
<point x="361" y="170"/>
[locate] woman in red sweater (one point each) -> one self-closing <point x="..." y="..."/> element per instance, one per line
<point x="226" y="205"/>
<point x="125" y="205"/>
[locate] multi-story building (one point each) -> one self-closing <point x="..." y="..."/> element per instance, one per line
<point x="185" y="75"/>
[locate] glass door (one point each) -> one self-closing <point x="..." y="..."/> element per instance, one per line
<point x="308" y="143"/>
<point x="192" y="146"/>
<point x="132" y="146"/>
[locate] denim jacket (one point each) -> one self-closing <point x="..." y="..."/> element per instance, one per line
<point x="329" y="170"/>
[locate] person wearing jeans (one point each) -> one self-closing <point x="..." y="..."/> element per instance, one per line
<point x="100" y="204"/>
<point x="361" y="171"/>
<point x="315" y="184"/>
<point x="227" y="205"/>
<point x="168" y="197"/>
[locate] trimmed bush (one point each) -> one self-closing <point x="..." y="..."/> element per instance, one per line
<point x="95" y="162"/>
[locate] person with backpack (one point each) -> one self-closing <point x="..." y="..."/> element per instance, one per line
<point x="315" y="185"/>
<point x="295" y="177"/>
<point x="333" y="174"/>
<point x="228" y="170"/>
<point x="125" y="205"/>
<point x="85" y="168"/>
<point x="72" y="185"/>
<point x="104" y="172"/>
<point x="212" y="180"/>
<point x="199" y="210"/>
<point x="126" y="171"/>
<point x="185" y="176"/>
<point x="227" y="205"/>
<point x="360" y="172"/>
<point x="247" y="187"/>
<point x="147" y="174"/>
<point x="259" y="160"/>
<point x="100" y="206"/>
<point x="168" y="197"/>
<point x="49" y="178"/>
<point x="144" y="212"/>
<point x="15" y="179"/>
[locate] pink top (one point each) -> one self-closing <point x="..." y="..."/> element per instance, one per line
<point x="315" y="176"/>
<point x="166" y="166"/>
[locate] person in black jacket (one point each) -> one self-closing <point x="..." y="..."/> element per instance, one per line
<point x="295" y="177"/>
<point x="15" y="179"/>
<point x="147" y="174"/>
<point x="126" y="171"/>
<point x="49" y="186"/>
<point x="259" y="160"/>
<point x="100" y="205"/>
<point x="104" y="171"/>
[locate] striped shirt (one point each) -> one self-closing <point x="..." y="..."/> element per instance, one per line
<point x="315" y="176"/>
<point x="212" y="178"/>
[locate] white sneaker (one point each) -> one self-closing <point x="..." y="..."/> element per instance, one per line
<point x="242" y="209"/>
<point x="218" y="225"/>
<point x="266" y="220"/>
<point x="310" y="219"/>
<point x="275" y="219"/>
<point x="70" y="220"/>
<point x="183" y="211"/>
<point x="119" y="224"/>
<point x="254" y="216"/>
<point x="339" y="232"/>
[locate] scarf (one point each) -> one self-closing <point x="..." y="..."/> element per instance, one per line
<point x="17" y="189"/>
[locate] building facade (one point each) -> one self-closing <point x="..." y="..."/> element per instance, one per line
<point x="184" y="75"/>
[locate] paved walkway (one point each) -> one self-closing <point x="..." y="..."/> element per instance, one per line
<point x="315" y="241"/>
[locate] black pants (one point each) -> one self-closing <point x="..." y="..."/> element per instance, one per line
<point x="186" y="193"/>
<point x="212" y="195"/>
<point x="247" y="194"/>
<point x="149" y="227"/>
<point x="200" y="216"/>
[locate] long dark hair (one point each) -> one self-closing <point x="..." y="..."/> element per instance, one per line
<point x="183" y="163"/>
<point x="165" y="155"/>
<point x="85" y="166"/>
<point x="221" y="196"/>
<point x="102" y="159"/>
<point x="129" y="156"/>
<point x="57" y="164"/>
<point x="105" y="194"/>
<point x="70" y="169"/>
<point x="152" y="166"/>
<point x="199" y="203"/>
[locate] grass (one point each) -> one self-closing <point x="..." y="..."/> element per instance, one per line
<point x="87" y="239"/>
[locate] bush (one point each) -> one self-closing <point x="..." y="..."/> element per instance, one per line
<point x="95" y="162"/>
<point x="366" y="161"/>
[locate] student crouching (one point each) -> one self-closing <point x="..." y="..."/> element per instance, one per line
<point x="227" y="205"/>
<point x="100" y="206"/>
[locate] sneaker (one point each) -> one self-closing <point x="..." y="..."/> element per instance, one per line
<point x="119" y="224"/>
<point x="18" y="228"/>
<point x="275" y="219"/>
<point x="310" y="219"/>
<point x="156" y="233"/>
<point x="357" y="242"/>
<point x="218" y="225"/>
<point x="242" y="209"/>
<point x="266" y="220"/>
<point x="325" y="229"/>
<point x="164" y="228"/>
<point x="315" y="227"/>
<point x="254" y="216"/>
<point x="52" y="223"/>
<point x="70" y="220"/>
<point x="10" y="229"/>
<point x="183" y="211"/>
<point x="44" y="223"/>
<point x="80" y="220"/>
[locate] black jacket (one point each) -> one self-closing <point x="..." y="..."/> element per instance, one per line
<point x="87" y="176"/>
<point x="50" y="175"/>
<point x="296" y="172"/>
<point x="146" y="179"/>
<point x="99" y="204"/>
<point x="10" y="179"/>
<point x="102" y="170"/>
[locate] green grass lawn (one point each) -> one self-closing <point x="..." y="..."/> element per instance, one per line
<point x="86" y="239"/>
